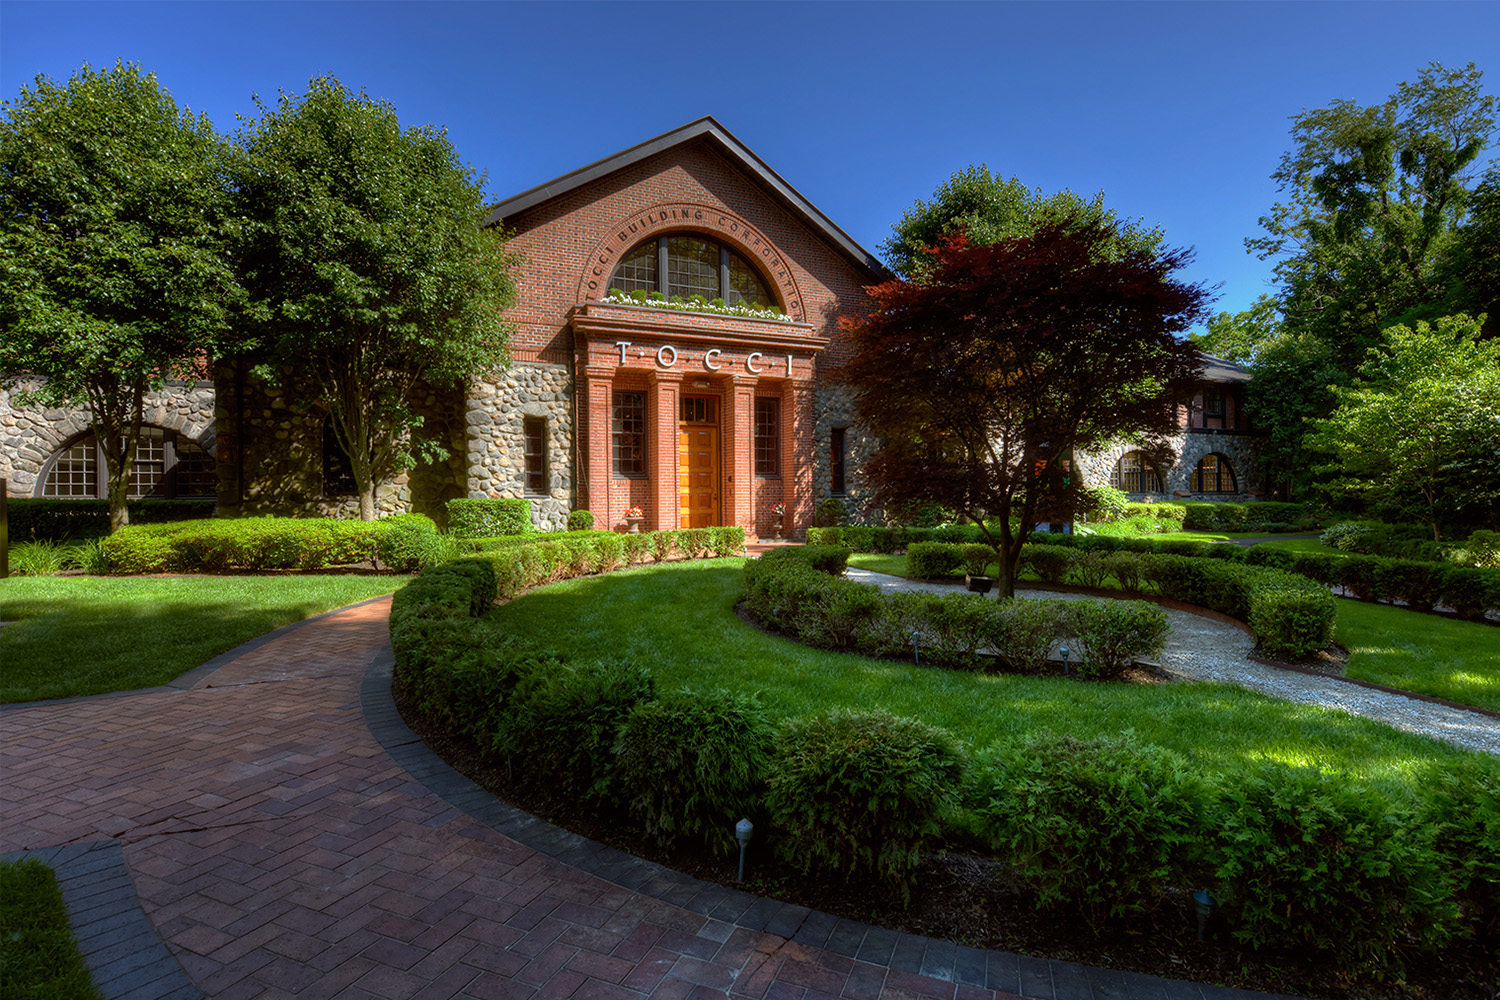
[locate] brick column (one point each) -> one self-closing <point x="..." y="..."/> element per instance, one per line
<point x="663" y="405"/>
<point x="737" y="457"/>
<point x="599" y="442"/>
<point x="798" y="437"/>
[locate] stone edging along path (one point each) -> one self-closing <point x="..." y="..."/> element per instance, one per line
<point x="280" y="850"/>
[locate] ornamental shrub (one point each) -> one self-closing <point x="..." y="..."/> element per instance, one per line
<point x="1100" y="823"/>
<point x="410" y="542"/>
<point x="693" y="542"/>
<point x="1341" y="535"/>
<point x="1115" y="633"/>
<point x="831" y="512"/>
<point x="1024" y="631"/>
<point x="1293" y="618"/>
<point x="957" y="627"/>
<point x="47" y="519"/>
<point x="580" y="520"/>
<point x="977" y="558"/>
<point x="927" y="560"/>
<point x="1306" y="860"/>
<point x="1125" y="567"/>
<point x="1468" y="591"/>
<point x="1418" y="584"/>
<point x="561" y="728"/>
<point x="692" y="763"/>
<point x="662" y="544"/>
<point x="1087" y="570"/>
<point x="637" y="547"/>
<point x="1049" y="562"/>
<point x="825" y="536"/>
<point x="487" y="517"/>
<point x="1463" y="814"/>
<point x="726" y="541"/>
<point x="1483" y="547"/>
<point x="840" y="614"/>
<point x="857" y="794"/>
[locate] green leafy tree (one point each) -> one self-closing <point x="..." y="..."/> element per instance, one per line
<point x="369" y="273"/>
<point x="1238" y="337"/>
<point x="988" y="209"/>
<point x="110" y="212"/>
<point x="1475" y="262"/>
<point x="1291" y="379"/>
<point x="1418" y="432"/>
<point x="1375" y="196"/>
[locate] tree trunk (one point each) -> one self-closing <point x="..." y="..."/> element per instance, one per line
<point x="367" y="501"/>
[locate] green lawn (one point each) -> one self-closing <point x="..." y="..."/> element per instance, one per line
<point x="1304" y="545"/>
<point x="1459" y="661"/>
<point x="90" y="634"/>
<point x="1221" y="536"/>
<point x="38" y="954"/>
<point x="679" y="622"/>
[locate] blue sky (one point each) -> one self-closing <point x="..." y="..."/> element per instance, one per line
<point x="1178" y="112"/>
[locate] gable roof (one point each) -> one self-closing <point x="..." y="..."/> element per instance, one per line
<point x="708" y="129"/>
<point x="1219" y="370"/>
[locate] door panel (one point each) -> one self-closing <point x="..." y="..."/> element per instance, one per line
<point x="699" y="461"/>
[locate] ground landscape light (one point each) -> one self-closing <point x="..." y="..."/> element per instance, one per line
<point x="742" y="831"/>
<point x="1063" y="651"/>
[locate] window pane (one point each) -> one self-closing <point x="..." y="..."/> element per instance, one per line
<point x="75" y="474"/>
<point x="1135" y="474"/>
<point x="535" y="430"/>
<point x="744" y="284"/>
<point x="338" y="471"/>
<point x="767" y="436"/>
<point x="630" y="433"/>
<point x="194" y="474"/>
<point x="836" y="460"/>
<point x="692" y="267"/>
<point x="637" y="271"/>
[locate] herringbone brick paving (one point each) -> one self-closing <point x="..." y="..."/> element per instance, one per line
<point x="281" y="852"/>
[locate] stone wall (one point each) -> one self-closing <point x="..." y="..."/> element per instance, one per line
<point x="278" y="444"/>
<point x="31" y="435"/>
<point x="496" y="446"/>
<point x="1242" y="451"/>
<point x="834" y="407"/>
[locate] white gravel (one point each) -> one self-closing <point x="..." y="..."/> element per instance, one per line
<point x="1201" y="648"/>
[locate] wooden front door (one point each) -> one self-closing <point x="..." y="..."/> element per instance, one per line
<point x="699" y="454"/>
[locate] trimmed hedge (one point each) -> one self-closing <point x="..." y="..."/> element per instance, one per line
<point x="1298" y="859"/>
<point x="488" y="517"/>
<point x="247" y="543"/>
<point x="40" y="519"/>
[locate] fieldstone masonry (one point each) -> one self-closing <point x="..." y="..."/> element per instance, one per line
<point x="1242" y="451"/>
<point x="31" y="435"/>
<point x="496" y="408"/>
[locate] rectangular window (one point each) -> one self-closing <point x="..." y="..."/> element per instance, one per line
<point x="1213" y="404"/>
<point x="767" y="436"/>
<point x="630" y="433"/>
<point x="338" y="471"/>
<point x="836" y="460"/>
<point x="535" y="431"/>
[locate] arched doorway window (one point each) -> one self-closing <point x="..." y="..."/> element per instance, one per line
<point x="687" y="265"/>
<point x="1213" y="474"/>
<point x="167" y="465"/>
<point x="1134" y="473"/>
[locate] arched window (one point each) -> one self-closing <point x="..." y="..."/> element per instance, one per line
<point x="692" y="266"/>
<point x="1213" y="474"/>
<point x="166" y="465"/>
<point x="1134" y="473"/>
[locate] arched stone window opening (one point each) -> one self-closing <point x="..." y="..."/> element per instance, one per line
<point x="167" y="465"/>
<point x="1213" y="474"/>
<point x="691" y="266"/>
<point x="1134" y="473"/>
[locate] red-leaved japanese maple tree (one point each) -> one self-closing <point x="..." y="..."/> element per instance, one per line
<point x="981" y="380"/>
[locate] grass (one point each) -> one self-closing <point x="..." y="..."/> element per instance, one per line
<point x="90" y="635"/>
<point x="39" y="957"/>
<point x="679" y="621"/>
<point x="1421" y="653"/>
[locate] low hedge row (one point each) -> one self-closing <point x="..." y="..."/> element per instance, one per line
<point x="1243" y="516"/>
<point x="1291" y="615"/>
<point x="1297" y="858"/>
<point x="255" y="543"/>
<point x="487" y="517"/>
<point x="1470" y="592"/>
<point x="38" y="519"/>
<point x="804" y="595"/>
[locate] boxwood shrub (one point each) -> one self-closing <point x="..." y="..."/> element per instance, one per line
<point x="487" y="517"/>
<point x="45" y="519"/>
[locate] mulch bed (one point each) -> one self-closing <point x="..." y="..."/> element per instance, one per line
<point x="976" y="900"/>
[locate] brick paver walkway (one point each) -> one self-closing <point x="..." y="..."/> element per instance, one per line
<point x="280" y="850"/>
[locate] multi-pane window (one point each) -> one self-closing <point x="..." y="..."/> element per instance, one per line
<point x="700" y="410"/>
<point x="1213" y="403"/>
<point x="767" y="436"/>
<point x="684" y="266"/>
<point x="338" y="470"/>
<point x="166" y="465"/>
<point x="534" y="430"/>
<point x="836" y="456"/>
<point x="1212" y="474"/>
<point x="629" y="430"/>
<point x="1134" y="473"/>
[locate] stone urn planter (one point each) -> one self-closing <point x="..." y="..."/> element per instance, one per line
<point x="979" y="584"/>
<point x="633" y="524"/>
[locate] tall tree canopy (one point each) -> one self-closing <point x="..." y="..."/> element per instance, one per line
<point x="110" y="214"/>
<point x="369" y="273"/>
<point x="1417" y="434"/>
<point x="987" y="209"/>
<point x="982" y="378"/>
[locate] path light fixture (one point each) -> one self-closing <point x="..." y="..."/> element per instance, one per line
<point x="1063" y="650"/>
<point x="916" y="648"/>
<point x="1204" y="904"/>
<point x="742" y="831"/>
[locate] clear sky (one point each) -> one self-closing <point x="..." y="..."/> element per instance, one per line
<point x="1178" y="112"/>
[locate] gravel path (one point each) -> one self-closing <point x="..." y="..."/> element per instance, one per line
<point x="1201" y="648"/>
